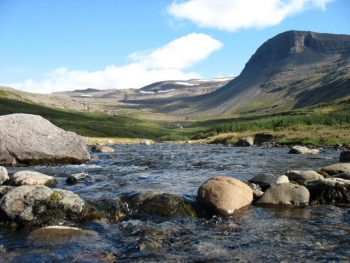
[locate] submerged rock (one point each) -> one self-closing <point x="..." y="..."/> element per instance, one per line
<point x="303" y="150"/>
<point x="223" y="195"/>
<point x="32" y="140"/>
<point x="286" y="194"/>
<point x="157" y="204"/>
<point x="58" y="234"/>
<point x="32" y="178"/>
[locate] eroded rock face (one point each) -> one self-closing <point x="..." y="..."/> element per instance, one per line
<point x="27" y="139"/>
<point x="223" y="195"/>
<point x="286" y="194"/>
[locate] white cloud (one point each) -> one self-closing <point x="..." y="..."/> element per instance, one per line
<point x="232" y="15"/>
<point x="164" y="63"/>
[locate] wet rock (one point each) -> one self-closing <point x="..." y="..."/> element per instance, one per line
<point x="74" y="178"/>
<point x="329" y="191"/>
<point x="344" y="156"/>
<point x="58" y="234"/>
<point x="285" y="194"/>
<point x="283" y="179"/>
<point x="32" y="178"/>
<point x="3" y="175"/>
<point x="102" y="149"/>
<point x="157" y="204"/>
<point x="224" y="195"/>
<point x="303" y="150"/>
<point x="32" y="140"/>
<point x="42" y="204"/>
<point x="246" y="141"/>
<point x="303" y="175"/>
<point x="264" y="180"/>
<point x="337" y="168"/>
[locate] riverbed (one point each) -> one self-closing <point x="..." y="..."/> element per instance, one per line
<point x="256" y="234"/>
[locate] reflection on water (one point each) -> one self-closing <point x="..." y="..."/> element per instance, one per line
<point x="256" y="234"/>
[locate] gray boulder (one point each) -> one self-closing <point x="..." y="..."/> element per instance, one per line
<point x="3" y="175"/>
<point x="32" y="140"/>
<point x="342" y="175"/>
<point x="102" y="149"/>
<point x="344" y="156"/>
<point x="263" y="180"/>
<point x="41" y="204"/>
<point x="337" y="168"/>
<point x="286" y="194"/>
<point x="303" y="175"/>
<point x="329" y="191"/>
<point x="303" y="150"/>
<point x="32" y="178"/>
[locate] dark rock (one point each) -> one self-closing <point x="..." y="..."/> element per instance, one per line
<point x="329" y="191"/>
<point x="344" y="156"/>
<point x="74" y="178"/>
<point x="264" y="180"/>
<point x="262" y="138"/>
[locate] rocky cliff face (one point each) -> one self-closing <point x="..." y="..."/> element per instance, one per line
<point x="288" y="69"/>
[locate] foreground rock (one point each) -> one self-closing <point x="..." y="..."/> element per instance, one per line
<point x="32" y="178"/>
<point x="3" y="175"/>
<point x="102" y="149"/>
<point x="337" y="168"/>
<point x="303" y="150"/>
<point x="58" y="234"/>
<point x="329" y="191"/>
<point x="32" y="140"/>
<point x="224" y="195"/>
<point x="286" y="194"/>
<point x="41" y="204"/>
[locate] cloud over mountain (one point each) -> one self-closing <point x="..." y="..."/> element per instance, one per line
<point x="163" y="63"/>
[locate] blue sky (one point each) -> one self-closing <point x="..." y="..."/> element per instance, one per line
<point x="56" y="45"/>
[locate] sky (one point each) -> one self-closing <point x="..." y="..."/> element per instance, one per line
<point x="59" y="45"/>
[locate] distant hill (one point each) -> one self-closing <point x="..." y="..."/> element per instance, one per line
<point x="292" y="70"/>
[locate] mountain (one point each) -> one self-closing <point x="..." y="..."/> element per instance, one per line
<point x="292" y="70"/>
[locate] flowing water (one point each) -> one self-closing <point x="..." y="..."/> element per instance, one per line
<point x="257" y="234"/>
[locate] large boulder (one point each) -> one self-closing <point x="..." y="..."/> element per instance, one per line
<point x="329" y="191"/>
<point x="32" y="140"/>
<point x="223" y="195"/>
<point x="285" y="194"/>
<point x="337" y="168"/>
<point x="41" y="204"/>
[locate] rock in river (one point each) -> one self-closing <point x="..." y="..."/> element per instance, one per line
<point x="303" y="150"/>
<point x="337" y="168"/>
<point x="223" y="195"/>
<point x="32" y="178"/>
<point x="39" y="202"/>
<point x="32" y="140"/>
<point x="102" y="149"/>
<point x="285" y="194"/>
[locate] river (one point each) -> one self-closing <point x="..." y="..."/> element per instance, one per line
<point x="256" y="234"/>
